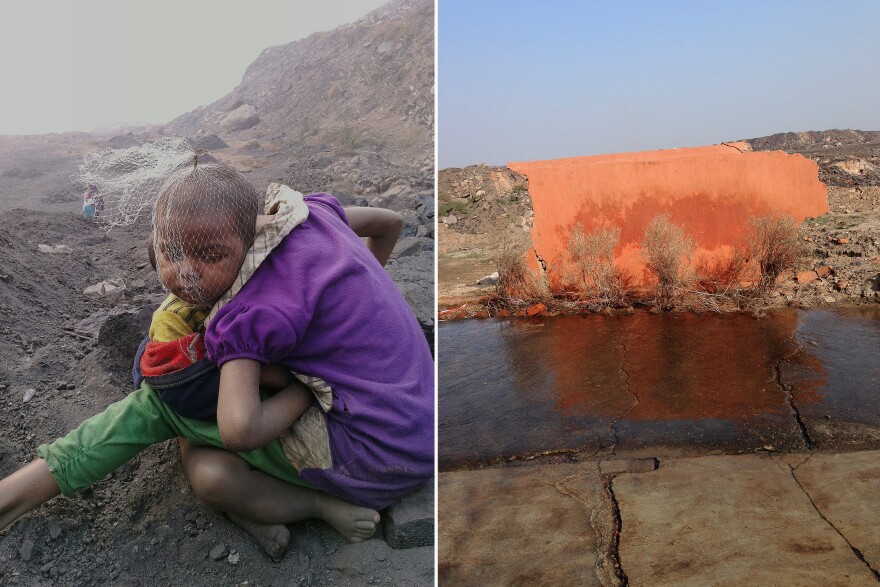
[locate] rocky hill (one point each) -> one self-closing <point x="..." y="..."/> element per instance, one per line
<point x="369" y="83"/>
<point x="812" y="141"/>
<point x="846" y="158"/>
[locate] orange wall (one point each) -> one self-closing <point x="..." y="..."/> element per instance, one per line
<point x="710" y="191"/>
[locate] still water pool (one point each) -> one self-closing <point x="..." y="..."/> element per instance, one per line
<point x="736" y="383"/>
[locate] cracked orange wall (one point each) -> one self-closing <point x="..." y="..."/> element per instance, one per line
<point x="710" y="191"/>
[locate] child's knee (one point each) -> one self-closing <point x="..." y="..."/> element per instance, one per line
<point x="212" y="479"/>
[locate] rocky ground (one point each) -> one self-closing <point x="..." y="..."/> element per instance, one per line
<point x="65" y="356"/>
<point x="482" y="209"/>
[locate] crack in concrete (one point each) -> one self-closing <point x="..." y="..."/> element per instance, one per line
<point x="612" y="425"/>
<point x="601" y="521"/>
<point x="855" y="550"/>
<point x="614" y="547"/>
<point x="546" y="453"/>
<point x="789" y="398"/>
<point x="802" y="463"/>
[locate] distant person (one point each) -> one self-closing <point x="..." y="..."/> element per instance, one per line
<point x="295" y="288"/>
<point x="93" y="202"/>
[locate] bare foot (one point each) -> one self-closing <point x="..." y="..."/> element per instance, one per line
<point x="272" y="538"/>
<point x="355" y="523"/>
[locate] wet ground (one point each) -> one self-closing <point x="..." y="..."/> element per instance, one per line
<point x="791" y="381"/>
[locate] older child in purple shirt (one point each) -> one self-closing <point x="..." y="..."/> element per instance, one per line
<point x="319" y="304"/>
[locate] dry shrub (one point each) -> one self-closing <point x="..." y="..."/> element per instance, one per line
<point x="723" y="276"/>
<point x="592" y="256"/>
<point x="515" y="280"/>
<point x="719" y="284"/>
<point x="667" y="251"/>
<point x="772" y="242"/>
<point x="770" y="248"/>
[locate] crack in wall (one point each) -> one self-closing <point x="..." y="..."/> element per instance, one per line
<point x="614" y="547"/>
<point x="732" y="146"/>
<point x="789" y="399"/>
<point x="541" y="263"/>
<point x="855" y="550"/>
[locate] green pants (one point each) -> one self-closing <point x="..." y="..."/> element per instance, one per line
<point x="110" y="439"/>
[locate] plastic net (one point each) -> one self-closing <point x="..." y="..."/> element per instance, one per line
<point x="203" y="214"/>
<point x="122" y="184"/>
<point x="203" y="225"/>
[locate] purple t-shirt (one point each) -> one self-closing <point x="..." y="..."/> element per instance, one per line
<point x="321" y="305"/>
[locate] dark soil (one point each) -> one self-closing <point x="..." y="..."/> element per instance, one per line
<point x="141" y="525"/>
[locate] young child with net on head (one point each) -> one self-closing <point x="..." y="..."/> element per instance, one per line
<point x="293" y="298"/>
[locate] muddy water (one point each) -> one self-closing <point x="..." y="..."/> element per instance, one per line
<point x="790" y="381"/>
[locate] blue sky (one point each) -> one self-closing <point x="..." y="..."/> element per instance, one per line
<point x="524" y="80"/>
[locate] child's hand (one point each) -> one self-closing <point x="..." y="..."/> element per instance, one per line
<point x="379" y="226"/>
<point x="245" y="422"/>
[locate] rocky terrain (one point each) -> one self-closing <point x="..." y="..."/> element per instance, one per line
<point x="67" y="355"/>
<point x="484" y="208"/>
<point x="480" y="209"/>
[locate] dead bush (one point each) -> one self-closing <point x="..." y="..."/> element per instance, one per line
<point x="773" y="244"/>
<point x="667" y="251"/>
<point x="515" y="280"/>
<point x="725" y="275"/>
<point x="592" y="256"/>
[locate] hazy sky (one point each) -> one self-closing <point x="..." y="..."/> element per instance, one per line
<point x="524" y="80"/>
<point x="70" y="65"/>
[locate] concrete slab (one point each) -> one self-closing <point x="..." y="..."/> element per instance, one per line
<point x="729" y="520"/>
<point x="846" y="490"/>
<point x="529" y="525"/>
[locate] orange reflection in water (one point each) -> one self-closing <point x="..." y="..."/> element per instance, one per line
<point x="675" y="367"/>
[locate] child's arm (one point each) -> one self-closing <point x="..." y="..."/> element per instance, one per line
<point x="381" y="228"/>
<point x="245" y="422"/>
<point x="24" y="490"/>
<point x="274" y="377"/>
